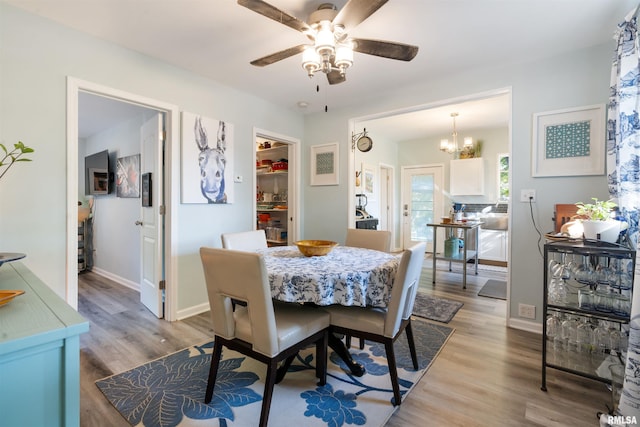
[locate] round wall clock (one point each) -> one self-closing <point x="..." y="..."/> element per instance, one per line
<point x="365" y="144"/>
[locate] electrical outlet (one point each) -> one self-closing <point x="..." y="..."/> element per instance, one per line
<point x="527" y="311"/>
<point x="528" y="195"/>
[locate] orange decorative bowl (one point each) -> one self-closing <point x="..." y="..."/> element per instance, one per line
<point x="6" y="296"/>
<point x="315" y="247"/>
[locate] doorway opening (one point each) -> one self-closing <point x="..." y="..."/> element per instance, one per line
<point x="165" y="190"/>
<point x="412" y="137"/>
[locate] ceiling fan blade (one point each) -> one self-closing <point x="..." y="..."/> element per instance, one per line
<point x="278" y="56"/>
<point x="385" y="49"/>
<point x="356" y="11"/>
<point x="272" y="12"/>
<point x="334" y="77"/>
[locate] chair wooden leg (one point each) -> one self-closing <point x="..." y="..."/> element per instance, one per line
<point x="282" y="370"/>
<point x="213" y="371"/>
<point x="269" y="383"/>
<point x="393" y="371"/>
<point x="321" y="359"/>
<point x="361" y="343"/>
<point x="412" y="345"/>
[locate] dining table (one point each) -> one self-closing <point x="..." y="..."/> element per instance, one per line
<point x="348" y="276"/>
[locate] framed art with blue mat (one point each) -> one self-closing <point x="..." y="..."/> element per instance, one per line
<point x="170" y="391"/>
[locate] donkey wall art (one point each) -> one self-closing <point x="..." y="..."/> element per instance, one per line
<point x="207" y="163"/>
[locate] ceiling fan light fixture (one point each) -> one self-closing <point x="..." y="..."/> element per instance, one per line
<point x="310" y="60"/>
<point x="328" y="29"/>
<point x="344" y="57"/>
<point x="325" y="42"/>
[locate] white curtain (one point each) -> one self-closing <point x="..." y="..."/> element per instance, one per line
<point x="623" y="166"/>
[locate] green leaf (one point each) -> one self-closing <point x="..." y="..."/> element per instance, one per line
<point x="4" y="148"/>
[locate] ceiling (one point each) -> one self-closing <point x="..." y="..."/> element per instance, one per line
<point x="218" y="38"/>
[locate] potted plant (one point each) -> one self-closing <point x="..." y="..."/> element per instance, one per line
<point x="597" y="221"/>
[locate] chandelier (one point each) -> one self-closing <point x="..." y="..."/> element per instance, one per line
<point x="453" y="147"/>
<point x="331" y="49"/>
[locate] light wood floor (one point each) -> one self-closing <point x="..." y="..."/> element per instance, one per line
<point x="486" y="375"/>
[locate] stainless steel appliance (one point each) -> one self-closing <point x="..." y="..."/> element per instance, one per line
<point x="363" y="219"/>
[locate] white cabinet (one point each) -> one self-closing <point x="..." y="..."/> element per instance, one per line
<point x="493" y="245"/>
<point x="466" y="177"/>
<point x="272" y="192"/>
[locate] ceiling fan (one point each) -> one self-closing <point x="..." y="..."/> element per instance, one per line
<point x="332" y="48"/>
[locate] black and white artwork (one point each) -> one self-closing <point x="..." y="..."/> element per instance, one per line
<point x="207" y="160"/>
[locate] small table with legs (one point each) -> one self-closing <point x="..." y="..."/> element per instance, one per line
<point x="465" y="254"/>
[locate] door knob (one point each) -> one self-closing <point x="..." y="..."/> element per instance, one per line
<point x="138" y="222"/>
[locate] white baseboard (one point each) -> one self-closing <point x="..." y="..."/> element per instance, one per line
<point x="192" y="311"/>
<point x="119" y="280"/>
<point x="525" y="325"/>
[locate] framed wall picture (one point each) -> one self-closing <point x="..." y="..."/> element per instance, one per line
<point x="368" y="181"/>
<point x="128" y="176"/>
<point x="569" y="142"/>
<point x="207" y="160"/>
<point x="324" y="164"/>
<point x="147" y="200"/>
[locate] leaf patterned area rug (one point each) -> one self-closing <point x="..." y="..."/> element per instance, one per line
<point x="170" y="391"/>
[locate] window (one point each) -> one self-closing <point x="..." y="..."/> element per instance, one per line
<point x="503" y="177"/>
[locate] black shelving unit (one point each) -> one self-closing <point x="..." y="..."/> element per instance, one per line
<point x="577" y="362"/>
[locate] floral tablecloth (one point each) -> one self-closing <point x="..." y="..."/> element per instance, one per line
<point x="346" y="276"/>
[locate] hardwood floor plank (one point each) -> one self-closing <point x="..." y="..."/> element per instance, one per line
<point x="486" y="375"/>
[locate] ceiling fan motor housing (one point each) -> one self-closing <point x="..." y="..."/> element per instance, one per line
<point x="325" y="12"/>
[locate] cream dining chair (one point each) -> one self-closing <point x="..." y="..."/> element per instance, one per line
<point x="245" y="240"/>
<point x="380" y="240"/>
<point x="386" y="325"/>
<point x="260" y="330"/>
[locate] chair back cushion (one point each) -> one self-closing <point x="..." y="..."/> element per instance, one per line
<point x="248" y="241"/>
<point x="404" y="289"/>
<point x="413" y="273"/>
<point x="240" y="275"/>
<point x="380" y="240"/>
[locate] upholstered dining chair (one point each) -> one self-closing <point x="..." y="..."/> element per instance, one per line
<point x="380" y="240"/>
<point x="245" y="240"/>
<point x="260" y="330"/>
<point x="386" y="325"/>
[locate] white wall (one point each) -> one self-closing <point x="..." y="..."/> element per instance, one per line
<point x="560" y="82"/>
<point x="37" y="55"/>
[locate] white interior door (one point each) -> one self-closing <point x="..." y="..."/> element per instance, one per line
<point x="152" y="271"/>
<point x="386" y="201"/>
<point x="422" y="203"/>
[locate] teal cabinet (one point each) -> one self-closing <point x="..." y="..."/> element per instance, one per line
<point x="39" y="354"/>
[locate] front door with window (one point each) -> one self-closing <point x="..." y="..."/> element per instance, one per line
<point x="422" y="203"/>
